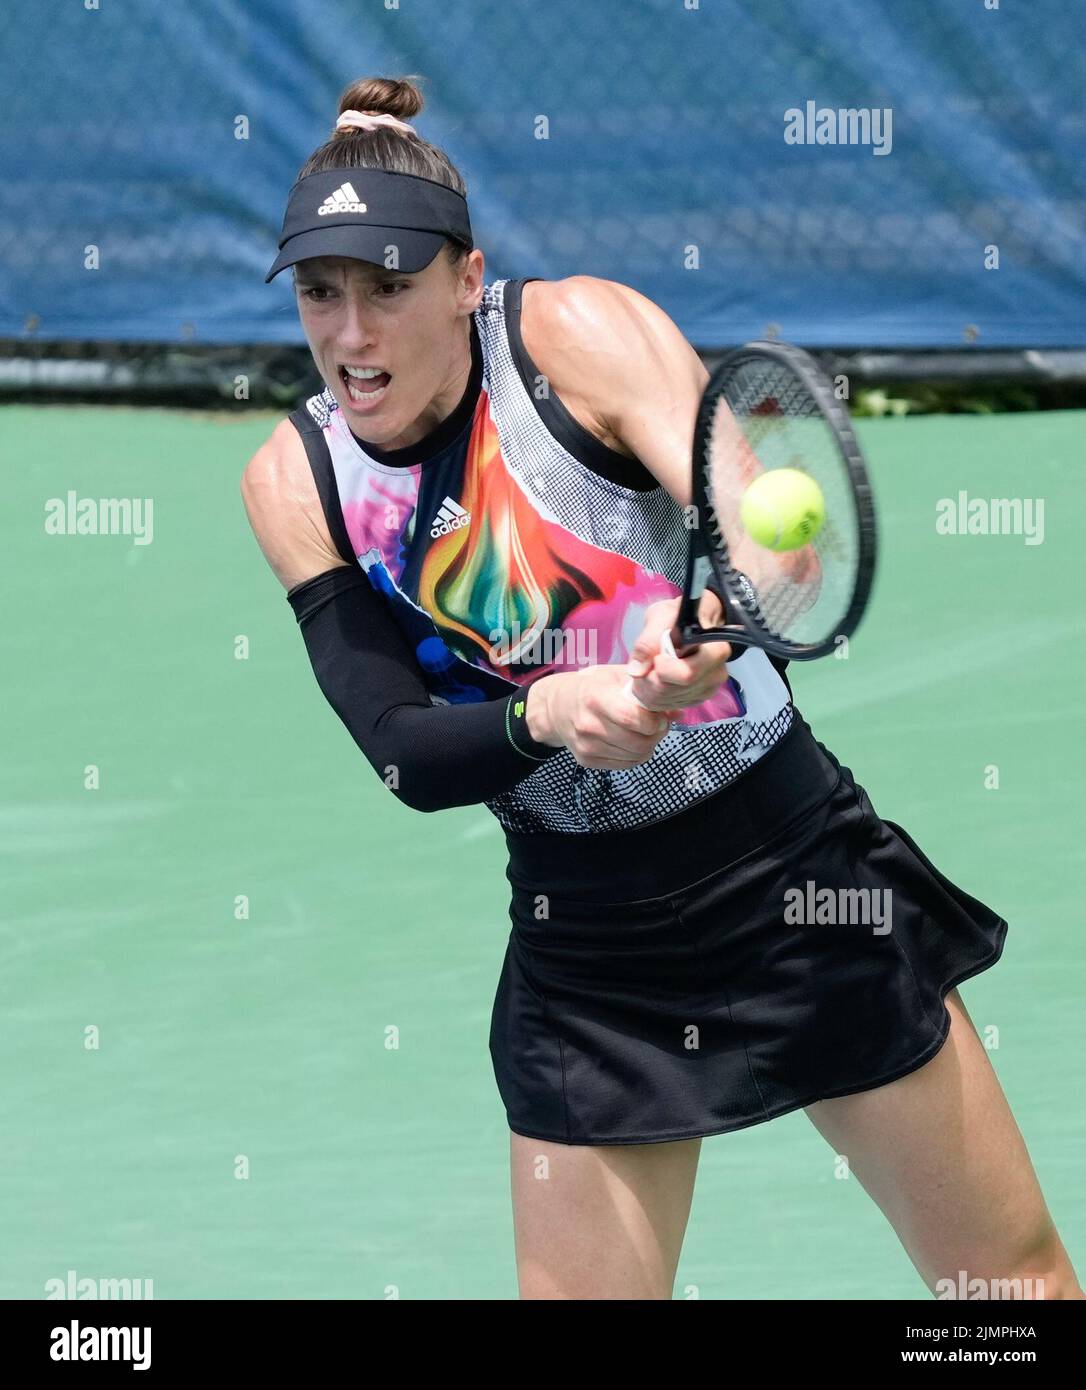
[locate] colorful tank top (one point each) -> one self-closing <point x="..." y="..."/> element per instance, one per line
<point x="518" y="546"/>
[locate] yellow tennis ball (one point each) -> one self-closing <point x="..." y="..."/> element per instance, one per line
<point x="783" y="509"/>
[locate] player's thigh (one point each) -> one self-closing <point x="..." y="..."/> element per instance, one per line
<point x="941" y="1154"/>
<point x="600" y="1221"/>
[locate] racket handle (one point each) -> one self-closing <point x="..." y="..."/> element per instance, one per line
<point x="667" y="646"/>
<point x="738" y="648"/>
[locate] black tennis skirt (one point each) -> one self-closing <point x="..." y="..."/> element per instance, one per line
<point x="774" y="945"/>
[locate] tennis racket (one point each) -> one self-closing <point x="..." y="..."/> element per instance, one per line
<point x="768" y="406"/>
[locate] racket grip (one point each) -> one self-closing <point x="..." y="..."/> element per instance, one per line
<point x="667" y="646"/>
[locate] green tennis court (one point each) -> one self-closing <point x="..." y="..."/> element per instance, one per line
<point x="244" y="1025"/>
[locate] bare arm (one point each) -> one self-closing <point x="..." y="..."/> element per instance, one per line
<point x="631" y="367"/>
<point x="285" y="510"/>
<point x="646" y="387"/>
<point x="642" y="382"/>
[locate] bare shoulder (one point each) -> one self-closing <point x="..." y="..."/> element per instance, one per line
<point x="575" y="330"/>
<point x="605" y="344"/>
<point x="285" y="511"/>
<point x="563" y="320"/>
<point x="588" y="312"/>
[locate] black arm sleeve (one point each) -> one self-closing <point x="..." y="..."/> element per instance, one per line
<point x="431" y="756"/>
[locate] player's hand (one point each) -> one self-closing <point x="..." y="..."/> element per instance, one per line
<point x="590" y="713"/>
<point x="671" y="682"/>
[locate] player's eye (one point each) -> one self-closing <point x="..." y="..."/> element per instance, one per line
<point x="387" y="289"/>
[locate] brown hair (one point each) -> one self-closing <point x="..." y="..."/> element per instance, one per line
<point x="387" y="148"/>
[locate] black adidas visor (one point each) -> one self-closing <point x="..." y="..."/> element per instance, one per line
<point x="399" y="221"/>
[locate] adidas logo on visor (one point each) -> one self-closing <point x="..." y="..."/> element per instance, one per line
<point x="344" y="199"/>
<point x="450" y="517"/>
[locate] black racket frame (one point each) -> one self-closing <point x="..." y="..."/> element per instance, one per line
<point x="752" y="629"/>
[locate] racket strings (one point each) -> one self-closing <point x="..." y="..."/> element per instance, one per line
<point x="767" y="418"/>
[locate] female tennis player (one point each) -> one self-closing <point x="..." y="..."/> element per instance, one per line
<point x="478" y="524"/>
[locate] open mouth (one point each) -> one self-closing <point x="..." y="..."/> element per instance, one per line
<point x="365" y="385"/>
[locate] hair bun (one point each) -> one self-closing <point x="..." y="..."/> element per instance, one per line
<point x="394" y="96"/>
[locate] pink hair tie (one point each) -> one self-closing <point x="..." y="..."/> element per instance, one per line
<point x="369" y="120"/>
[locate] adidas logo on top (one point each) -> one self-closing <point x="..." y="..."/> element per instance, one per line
<point x="450" y="517"/>
<point x="344" y="199"/>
